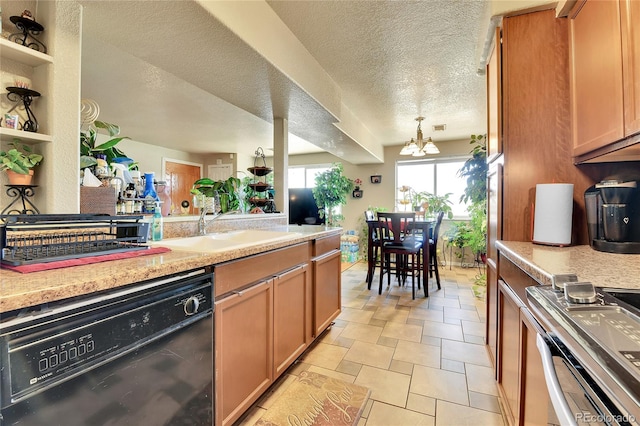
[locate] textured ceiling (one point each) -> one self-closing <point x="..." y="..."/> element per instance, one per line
<point x="172" y="73"/>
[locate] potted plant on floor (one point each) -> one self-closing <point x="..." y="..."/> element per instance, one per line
<point x="18" y="162"/>
<point x="331" y="191"/>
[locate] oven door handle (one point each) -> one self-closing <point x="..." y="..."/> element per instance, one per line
<point x="560" y="405"/>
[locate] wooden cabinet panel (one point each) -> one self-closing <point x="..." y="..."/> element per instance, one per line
<point x="239" y="273"/>
<point x="535" y="405"/>
<point x="494" y="208"/>
<point x="243" y="350"/>
<point x="494" y="100"/>
<point x="630" y="16"/>
<point x="291" y="319"/>
<point x="509" y="349"/>
<point x="326" y="244"/>
<point x="326" y="290"/>
<point x="491" y="297"/>
<point x="596" y="75"/>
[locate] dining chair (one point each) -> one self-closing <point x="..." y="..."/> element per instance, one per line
<point x="433" y="249"/>
<point x="373" y="246"/>
<point x="400" y="249"/>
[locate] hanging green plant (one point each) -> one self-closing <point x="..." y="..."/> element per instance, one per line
<point x="331" y="191"/>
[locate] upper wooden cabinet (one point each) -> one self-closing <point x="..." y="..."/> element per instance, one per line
<point x="604" y="73"/>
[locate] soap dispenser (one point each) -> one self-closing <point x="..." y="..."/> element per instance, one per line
<point x="156" y="225"/>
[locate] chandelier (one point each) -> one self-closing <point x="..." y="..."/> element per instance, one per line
<point x="419" y="148"/>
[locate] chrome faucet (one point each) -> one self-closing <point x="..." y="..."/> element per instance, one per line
<point x="202" y="224"/>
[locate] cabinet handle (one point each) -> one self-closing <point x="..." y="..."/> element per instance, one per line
<point x="238" y="292"/>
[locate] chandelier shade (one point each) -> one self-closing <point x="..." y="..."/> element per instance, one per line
<point x="420" y="147"/>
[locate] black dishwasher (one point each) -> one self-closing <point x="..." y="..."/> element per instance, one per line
<point x="141" y="355"/>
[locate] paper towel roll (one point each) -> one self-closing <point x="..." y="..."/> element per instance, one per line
<point x="553" y="211"/>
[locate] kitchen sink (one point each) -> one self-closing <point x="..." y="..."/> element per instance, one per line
<point x="217" y="242"/>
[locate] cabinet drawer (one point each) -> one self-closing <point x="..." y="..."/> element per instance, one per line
<point x="239" y="273"/>
<point x="325" y="245"/>
<point x="516" y="278"/>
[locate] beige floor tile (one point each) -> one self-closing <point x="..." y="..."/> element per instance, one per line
<point x="439" y="384"/>
<point x="325" y="355"/>
<point x="332" y="373"/>
<point x="450" y="365"/>
<point x="362" y="332"/>
<point x="422" y="404"/>
<point x="465" y="352"/>
<point x="484" y="402"/>
<point x="396" y="330"/>
<point x="387" y="341"/>
<point x="332" y="334"/>
<point x="442" y="330"/>
<point x="370" y="354"/>
<point x="401" y="367"/>
<point x="355" y="315"/>
<point x="461" y="314"/>
<point x="417" y="353"/>
<point x="434" y="315"/>
<point x="443" y="301"/>
<point x="387" y="415"/>
<point x="474" y="328"/>
<point x="348" y="367"/>
<point x="448" y="414"/>
<point x="481" y="379"/>
<point x="390" y="313"/>
<point x="386" y="386"/>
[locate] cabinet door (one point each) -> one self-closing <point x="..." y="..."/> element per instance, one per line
<point x="243" y="350"/>
<point x="326" y="290"/>
<point x="630" y="15"/>
<point x="596" y="75"/>
<point x="509" y="349"/>
<point x="291" y="317"/>
<point x="494" y="100"/>
<point x="534" y="406"/>
<point x="491" y="331"/>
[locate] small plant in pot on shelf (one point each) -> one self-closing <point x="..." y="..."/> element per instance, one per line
<point x="19" y="162"/>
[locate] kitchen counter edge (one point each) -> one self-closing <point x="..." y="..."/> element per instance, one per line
<point x="602" y="269"/>
<point x="19" y="290"/>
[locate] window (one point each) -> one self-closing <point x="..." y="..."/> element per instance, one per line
<point x="304" y="177"/>
<point x="437" y="177"/>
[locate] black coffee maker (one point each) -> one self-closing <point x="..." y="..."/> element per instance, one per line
<point x="613" y="215"/>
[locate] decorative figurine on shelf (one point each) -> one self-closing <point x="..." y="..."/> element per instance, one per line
<point x="28" y="28"/>
<point x="27" y="14"/>
<point x="24" y="95"/>
<point x="357" y="192"/>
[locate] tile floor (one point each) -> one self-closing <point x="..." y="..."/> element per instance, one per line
<point x="424" y="360"/>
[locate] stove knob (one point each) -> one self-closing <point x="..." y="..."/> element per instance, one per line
<point x="191" y="305"/>
<point x="580" y="292"/>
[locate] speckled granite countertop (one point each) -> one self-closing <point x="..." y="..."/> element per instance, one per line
<point x="19" y="290"/>
<point x="602" y="269"/>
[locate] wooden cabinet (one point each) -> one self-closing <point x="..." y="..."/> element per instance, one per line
<point x="326" y="282"/>
<point x="520" y="374"/>
<point x="291" y="317"/>
<point x="605" y="74"/>
<point x="494" y="99"/>
<point x="494" y="233"/>
<point x="243" y="350"/>
<point x="269" y="307"/>
<point x="509" y="350"/>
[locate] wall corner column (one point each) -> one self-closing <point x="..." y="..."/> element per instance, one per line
<point x="281" y="163"/>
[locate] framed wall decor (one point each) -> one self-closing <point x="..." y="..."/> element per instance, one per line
<point x="376" y="178"/>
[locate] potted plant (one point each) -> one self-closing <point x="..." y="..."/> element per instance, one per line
<point x="19" y="162"/>
<point x="439" y="203"/>
<point x="331" y="191"/>
<point x="89" y="149"/>
<point x="227" y="190"/>
<point x="475" y="170"/>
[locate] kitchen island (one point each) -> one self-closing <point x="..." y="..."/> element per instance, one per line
<point x="19" y="290"/>
<point x="515" y="326"/>
<point x="275" y="291"/>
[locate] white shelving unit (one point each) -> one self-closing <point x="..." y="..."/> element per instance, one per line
<point x="33" y="58"/>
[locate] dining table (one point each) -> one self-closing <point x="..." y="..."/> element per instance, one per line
<point x="424" y="227"/>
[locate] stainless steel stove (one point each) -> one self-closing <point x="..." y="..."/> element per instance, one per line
<point x="597" y="333"/>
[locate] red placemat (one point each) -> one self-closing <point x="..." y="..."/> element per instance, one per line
<point x="84" y="260"/>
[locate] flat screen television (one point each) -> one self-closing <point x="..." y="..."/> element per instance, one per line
<point x="302" y="207"/>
